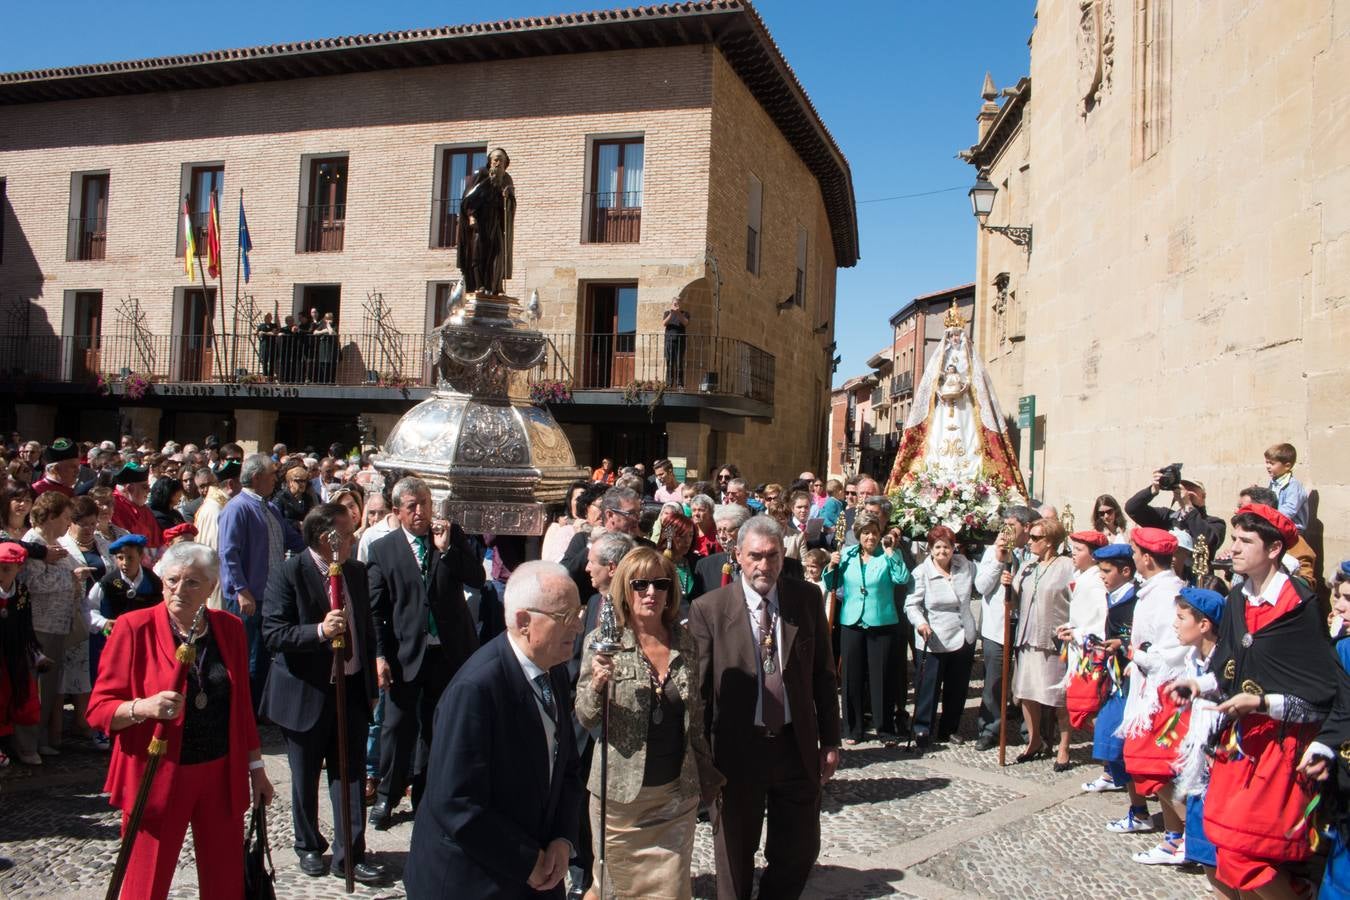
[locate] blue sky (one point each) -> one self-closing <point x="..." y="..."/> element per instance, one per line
<point x="896" y="81"/>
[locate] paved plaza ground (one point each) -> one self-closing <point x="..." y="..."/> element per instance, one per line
<point x="948" y="824"/>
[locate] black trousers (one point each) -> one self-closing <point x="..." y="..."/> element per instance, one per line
<point x="675" y="358"/>
<point x="993" y="687"/>
<point x="309" y="753"/>
<point x="409" y="709"/>
<point x="779" y="786"/>
<point x="871" y="655"/>
<point x="941" y="677"/>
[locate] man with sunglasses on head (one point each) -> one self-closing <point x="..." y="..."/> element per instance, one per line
<point x="620" y="513"/>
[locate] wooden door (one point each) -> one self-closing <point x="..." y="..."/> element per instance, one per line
<point x="93" y="234"/>
<point x="328" y="203"/>
<point x="86" y="334"/>
<point x="196" y="341"/>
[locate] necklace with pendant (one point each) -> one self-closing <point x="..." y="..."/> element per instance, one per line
<point x="200" y="699"/>
<point x="658" y="690"/>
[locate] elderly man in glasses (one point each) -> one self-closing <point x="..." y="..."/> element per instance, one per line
<point x="620" y="513"/>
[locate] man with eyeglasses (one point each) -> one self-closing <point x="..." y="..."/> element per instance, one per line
<point x="724" y="476"/>
<point x="773" y="715"/>
<point x="1008" y="552"/>
<point x="423" y="633"/>
<point x="504" y="794"/>
<point x="620" y="513"/>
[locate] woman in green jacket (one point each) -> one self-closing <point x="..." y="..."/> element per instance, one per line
<point x="867" y="578"/>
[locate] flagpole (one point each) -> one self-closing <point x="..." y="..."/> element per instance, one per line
<point x="206" y="298"/>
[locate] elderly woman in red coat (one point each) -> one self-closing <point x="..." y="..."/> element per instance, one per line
<point x="213" y="762"/>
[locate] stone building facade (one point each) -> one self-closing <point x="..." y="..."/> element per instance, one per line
<point x="656" y="153"/>
<point x="1181" y="165"/>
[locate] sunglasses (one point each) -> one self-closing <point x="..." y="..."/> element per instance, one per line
<point x="1108" y="510"/>
<point x="625" y="513"/>
<point x="1036" y="537"/>
<point x="850" y="493"/>
<point x="640" y="585"/>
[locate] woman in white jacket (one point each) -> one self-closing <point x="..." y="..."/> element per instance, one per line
<point x="941" y="609"/>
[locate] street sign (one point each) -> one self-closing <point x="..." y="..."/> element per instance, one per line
<point x="1026" y="411"/>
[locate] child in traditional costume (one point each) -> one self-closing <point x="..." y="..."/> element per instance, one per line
<point x="1199" y="614"/>
<point x="1280" y="679"/>
<point x="1115" y="563"/>
<point x="20" y="654"/>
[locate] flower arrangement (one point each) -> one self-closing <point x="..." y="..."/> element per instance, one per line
<point x="136" y="386"/>
<point x="971" y="509"/>
<point x="101" y="386"/>
<point x="550" y="392"/>
<point x="634" y="391"/>
<point x="251" y="378"/>
<point x="394" y="380"/>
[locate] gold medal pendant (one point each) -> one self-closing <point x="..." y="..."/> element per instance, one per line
<point x="200" y="700"/>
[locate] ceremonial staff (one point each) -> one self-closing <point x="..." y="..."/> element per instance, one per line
<point x="185" y="656"/>
<point x="832" y="598"/>
<point x="340" y="682"/>
<point x="607" y="642"/>
<point x="1007" y="534"/>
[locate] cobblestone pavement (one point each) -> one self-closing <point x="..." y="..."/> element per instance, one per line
<point x="950" y="823"/>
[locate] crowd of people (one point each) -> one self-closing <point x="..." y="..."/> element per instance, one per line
<point x="751" y="632"/>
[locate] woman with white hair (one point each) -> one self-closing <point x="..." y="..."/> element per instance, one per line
<point x="212" y="765"/>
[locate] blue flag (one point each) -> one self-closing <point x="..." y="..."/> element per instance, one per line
<point x="245" y="242"/>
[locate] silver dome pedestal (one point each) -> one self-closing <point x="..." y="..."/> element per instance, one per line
<point x="493" y="459"/>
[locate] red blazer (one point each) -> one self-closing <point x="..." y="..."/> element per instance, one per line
<point x="136" y="519"/>
<point x="138" y="661"/>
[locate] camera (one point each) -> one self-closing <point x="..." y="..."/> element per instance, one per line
<point x="1169" y="477"/>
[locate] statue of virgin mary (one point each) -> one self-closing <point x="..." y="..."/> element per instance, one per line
<point x="955" y="427"/>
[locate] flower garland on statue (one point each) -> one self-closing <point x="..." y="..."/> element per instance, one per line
<point x="971" y="509"/>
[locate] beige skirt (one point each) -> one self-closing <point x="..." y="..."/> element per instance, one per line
<point x="649" y="845"/>
<point x="1039" y="676"/>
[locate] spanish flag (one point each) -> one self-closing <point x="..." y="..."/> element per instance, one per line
<point x="213" y="241"/>
<point x="189" y="245"/>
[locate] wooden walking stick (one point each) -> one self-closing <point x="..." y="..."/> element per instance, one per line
<point x="339" y="643"/>
<point x="185" y="656"/>
<point x="1007" y="534"/>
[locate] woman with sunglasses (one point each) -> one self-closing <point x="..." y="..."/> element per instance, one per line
<point x="1042" y="589"/>
<point x="1109" y="519"/>
<point x="660" y="765"/>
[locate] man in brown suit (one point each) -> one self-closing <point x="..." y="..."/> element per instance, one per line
<point x="771" y="712"/>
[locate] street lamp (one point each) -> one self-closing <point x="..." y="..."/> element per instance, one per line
<point x="982" y="203"/>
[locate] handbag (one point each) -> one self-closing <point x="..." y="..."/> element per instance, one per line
<point x="259" y="876"/>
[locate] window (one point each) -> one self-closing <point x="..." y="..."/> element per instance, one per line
<point x="88" y="235"/>
<point x="202" y="181"/>
<point x="799" y="293"/>
<point x="323" y="217"/>
<point x="614" y="204"/>
<point x="609" y="346"/>
<point x="754" y="218"/>
<point x="440" y="302"/>
<point x="86" y="329"/>
<point x="452" y="176"/>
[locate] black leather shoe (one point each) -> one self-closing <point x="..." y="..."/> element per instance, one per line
<point x="364" y="872"/>
<point x="312" y="864"/>
<point x="379" y="815"/>
<point x="985" y="742"/>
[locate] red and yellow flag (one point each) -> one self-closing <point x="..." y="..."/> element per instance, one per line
<point x="213" y="241"/>
<point x="189" y="245"/>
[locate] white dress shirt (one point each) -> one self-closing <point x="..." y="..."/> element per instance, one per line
<point x="432" y="640"/>
<point x="753" y="602"/>
<point x="532" y="671"/>
<point x="353" y="665"/>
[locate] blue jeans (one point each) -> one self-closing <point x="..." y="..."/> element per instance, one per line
<point x="259" y="660"/>
<point x="373" y="739"/>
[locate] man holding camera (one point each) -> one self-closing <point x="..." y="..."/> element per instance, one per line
<point x="1189" y="515"/>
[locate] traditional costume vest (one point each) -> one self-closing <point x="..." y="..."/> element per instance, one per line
<point x="119" y="596"/>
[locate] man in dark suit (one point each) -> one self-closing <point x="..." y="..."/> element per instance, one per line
<point x="728" y="518"/>
<point x="299" y="625"/>
<point x="423" y="633"/>
<point x="499" y="818"/>
<point x="772" y="715"/>
<point x="621" y="513"/>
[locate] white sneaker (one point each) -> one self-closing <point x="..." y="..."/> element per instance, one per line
<point x="47" y="750"/>
<point x="30" y="759"/>
<point x="1130" y="824"/>
<point x="1162" y="854"/>
<point x="1101" y="785"/>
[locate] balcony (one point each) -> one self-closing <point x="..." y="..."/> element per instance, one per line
<point x="902" y="384"/>
<point x="598" y="368"/>
<point x="89" y="237"/>
<point x="613" y="217"/>
<point x="323" y="226"/>
<point x="445" y="222"/>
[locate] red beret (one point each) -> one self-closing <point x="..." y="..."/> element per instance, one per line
<point x="1154" y="540"/>
<point x="11" y="552"/>
<point x="1287" y="529"/>
<point x="1093" y="539"/>
<point x="187" y="528"/>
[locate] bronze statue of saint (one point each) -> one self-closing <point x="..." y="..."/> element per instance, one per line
<point x="487" y="216"/>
